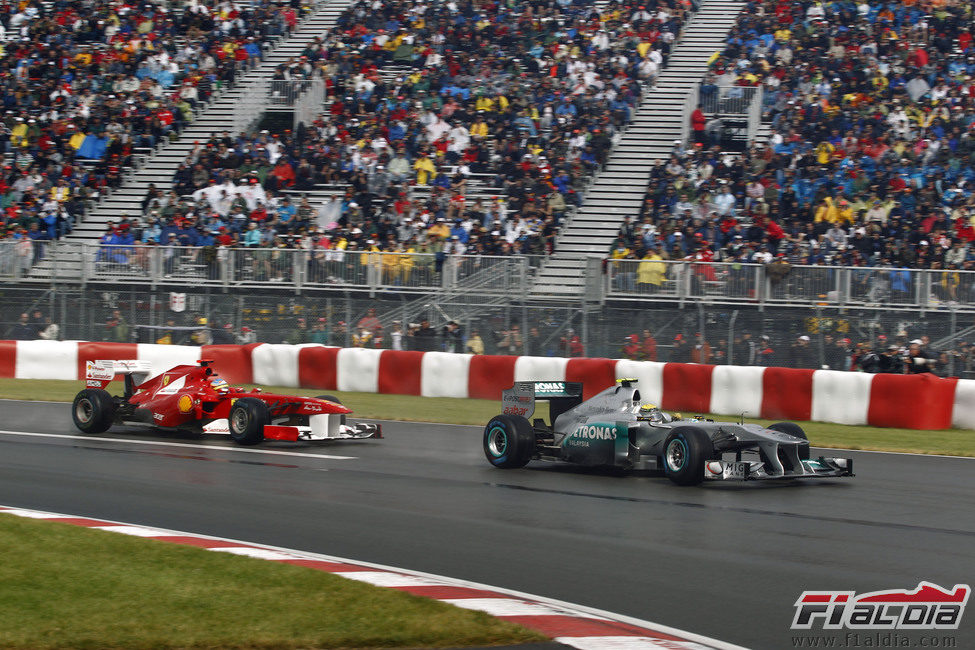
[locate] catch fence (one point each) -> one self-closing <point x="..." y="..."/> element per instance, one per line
<point x="698" y="331"/>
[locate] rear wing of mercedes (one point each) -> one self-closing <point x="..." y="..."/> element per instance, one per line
<point x="99" y="374"/>
<point x="561" y="395"/>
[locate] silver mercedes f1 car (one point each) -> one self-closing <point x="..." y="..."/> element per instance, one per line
<point x="614" y="428"/>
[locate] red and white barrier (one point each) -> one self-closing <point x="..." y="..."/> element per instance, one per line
<point x="357" y="370"/>
<point x="446" y="375"/>
<point x="908" y="401"/>
<point x="842" y="397"/>
<point x="736" y="389"/>
<point x="162" y="357"/>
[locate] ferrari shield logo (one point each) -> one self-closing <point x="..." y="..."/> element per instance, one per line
<point x="177" y="302"/>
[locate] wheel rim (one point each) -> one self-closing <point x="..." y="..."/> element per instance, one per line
<point x="84" y="410"/>
<point x="238" y="421"/>
<point x="497" y="442"/>
<point x="676" y="455"/>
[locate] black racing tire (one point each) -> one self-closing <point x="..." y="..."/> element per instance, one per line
<point x="332" y="398"/>
<point x="93" y="410"/>
<point x="793" y="429"/>
<point x="246" y="421"/>
<point x="686" y="450"/>
<point x="509" y="441"/>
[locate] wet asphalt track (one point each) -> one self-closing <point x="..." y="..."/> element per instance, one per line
<point x="727" y="561"/>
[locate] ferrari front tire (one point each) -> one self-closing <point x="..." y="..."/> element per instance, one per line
<point x="93" y="410"/>
<point x="247" y="419"/>
<point x="332" y="398"/>
<point x="509" y="441"/>
<point x="686" y="450"/>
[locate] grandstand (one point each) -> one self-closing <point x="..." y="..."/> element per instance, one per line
<point x="465" y="155"/>
<point x="658" y="124"/>
<point x="239" y="107"/>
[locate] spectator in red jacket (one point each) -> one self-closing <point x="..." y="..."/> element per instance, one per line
<point x="698" y="121"/>
<point x="648" y="347"/>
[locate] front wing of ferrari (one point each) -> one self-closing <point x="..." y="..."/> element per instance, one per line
<point x="321" y="427"/>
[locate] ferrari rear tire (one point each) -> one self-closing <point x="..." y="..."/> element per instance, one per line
<point x="793" y="429"/>
<point x="93" y="410"/>
<point x="686" y="450"/>
<point x="247" y="419"/>
<point x="509" y="441"/>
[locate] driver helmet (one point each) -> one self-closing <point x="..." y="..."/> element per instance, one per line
<point x="651" y="412"/>
<point x="219" y="384"/>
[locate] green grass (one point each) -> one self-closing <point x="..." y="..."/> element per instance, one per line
<point x="70" y="587"/>
<point x="952" y="442"/>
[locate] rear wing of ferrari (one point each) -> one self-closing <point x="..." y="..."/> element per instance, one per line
<point x="521" y="397"/>
<point x="99" y="374"/>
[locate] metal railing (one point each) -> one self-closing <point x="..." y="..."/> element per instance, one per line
<point x="79" y="263"/>
<point x="489" y="280"/>
<point x="454" y="276"/>
<point x="732" y="104"/>
<point x="755" y="110"/>
<point x="250" y="105"/>
<point x="729" y="100"/>
<point x="834" y="286"/>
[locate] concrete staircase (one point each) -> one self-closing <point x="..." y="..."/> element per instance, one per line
<point x="619" y="188"/>
<point x="216" y="118"/>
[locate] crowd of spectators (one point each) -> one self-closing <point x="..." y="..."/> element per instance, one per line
<point x="897" y="354"/>
<point x="83" y="85"/>
<point x="871" y="152"/>
<point x="33" y="325"/>
<point x="545" y="335"/>
<point x="424" y="99"/>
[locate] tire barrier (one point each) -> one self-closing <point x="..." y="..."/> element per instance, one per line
<point x="443" y="374"/>
<point x="161" y="357"/>
<point x="787" y="393"/>
<point x="595" y="374"/>
<point x="736" y="389"/>
<point x="841" y="397"/>
<point x="358" y="369"/>
<point x="921" y="402"/>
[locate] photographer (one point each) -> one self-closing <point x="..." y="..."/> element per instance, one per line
<point x="890" y="362"/>
<point x="425" y="337"/>
<point x="453" y="337"/>
<point x="869" y="360"/>
<point x="919" y="360"/>
<point x="510" y="341"/>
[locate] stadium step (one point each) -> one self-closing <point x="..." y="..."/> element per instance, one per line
<point x="617" y="191"/>
<point x="215" y="118"/>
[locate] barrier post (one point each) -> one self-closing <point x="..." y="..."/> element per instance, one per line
<point x="297" y="268"/>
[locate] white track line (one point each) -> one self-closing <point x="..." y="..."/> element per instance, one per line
<point x="447" y="424"/>
<point x="185" y="445"/>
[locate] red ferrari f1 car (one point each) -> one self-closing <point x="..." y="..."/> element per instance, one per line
<point x="195" y="398"/>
